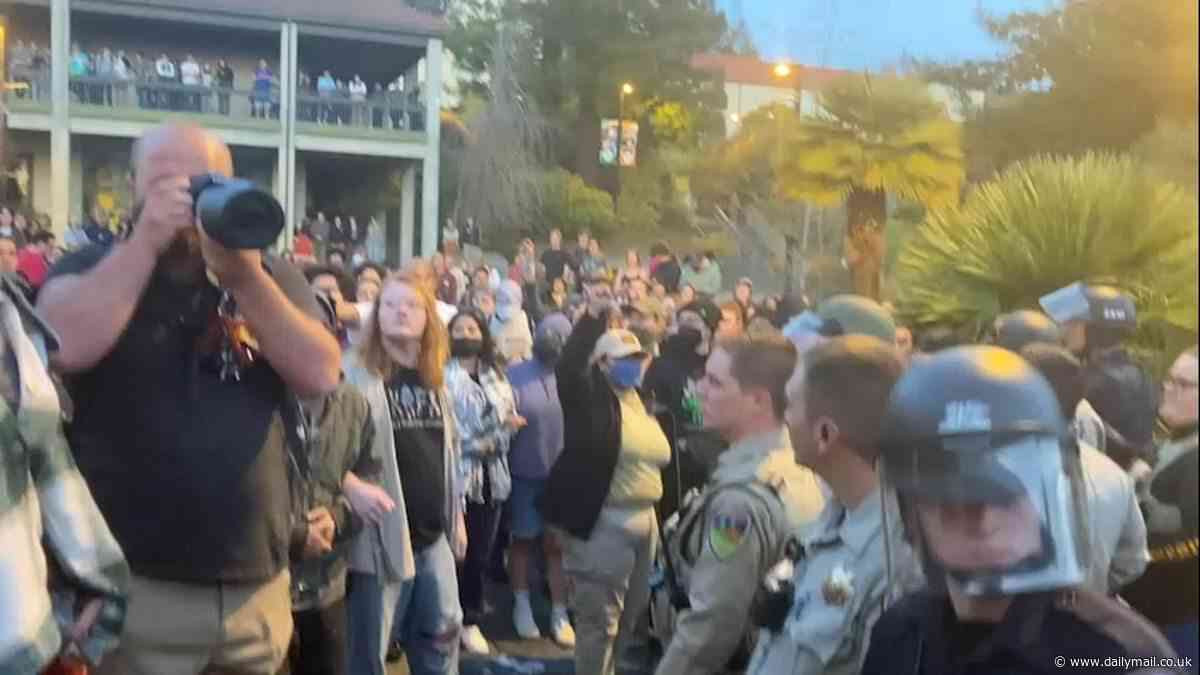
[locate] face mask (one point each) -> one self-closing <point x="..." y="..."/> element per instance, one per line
<point x="626" y="374"/>
<point x="548" y="349"/>
<point x="466" y="347"/>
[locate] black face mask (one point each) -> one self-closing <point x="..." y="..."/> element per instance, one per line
<point x="466" y="347"/>
<point x="684" y="342"/>
<point x="548" y="349"/>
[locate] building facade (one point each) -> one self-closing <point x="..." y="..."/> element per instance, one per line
<point x="315" y="99"/>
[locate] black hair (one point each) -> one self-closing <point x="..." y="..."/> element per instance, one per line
<point x="379" y="269"/>
<point x="42" y="237"/>
<point x="487" y="357"/>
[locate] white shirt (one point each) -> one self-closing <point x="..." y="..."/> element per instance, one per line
<point x="358" y="89"/>
<point x="190" y="72"/>
<point x="1115" y="525"/>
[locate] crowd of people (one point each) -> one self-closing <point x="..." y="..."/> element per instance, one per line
<point x="269" y="469"/>
<point x="119" y="78"/>
<point x="327" y="100"/>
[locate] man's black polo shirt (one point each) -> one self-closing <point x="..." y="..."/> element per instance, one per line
<point x="188" y="470"/>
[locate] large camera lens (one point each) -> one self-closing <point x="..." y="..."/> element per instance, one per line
<point x="235" y="212"/>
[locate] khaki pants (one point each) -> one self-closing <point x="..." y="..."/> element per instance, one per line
<point x="610" y="576"/>
<point x="184" y="629"/>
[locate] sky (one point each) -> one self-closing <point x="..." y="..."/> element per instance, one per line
<point x="871" y="34"/>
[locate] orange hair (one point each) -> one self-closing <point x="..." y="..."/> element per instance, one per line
<point x="435" y="341"/>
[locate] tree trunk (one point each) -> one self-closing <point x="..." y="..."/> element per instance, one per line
<point x="866" y="214"/>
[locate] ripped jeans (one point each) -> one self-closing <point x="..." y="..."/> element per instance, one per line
<point x="428" y="618"/>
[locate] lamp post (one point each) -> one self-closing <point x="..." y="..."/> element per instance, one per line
<point x="783" y="71"/>
<point x="626" y="90"/>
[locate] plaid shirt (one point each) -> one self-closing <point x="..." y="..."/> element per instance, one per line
<point x="59" y="553"/>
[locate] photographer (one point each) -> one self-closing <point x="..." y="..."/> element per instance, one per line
<point x="176" y="383"/>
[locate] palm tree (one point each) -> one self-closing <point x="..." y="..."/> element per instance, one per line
<point x="1046" y="222"/>
<point x="874" y="137"/>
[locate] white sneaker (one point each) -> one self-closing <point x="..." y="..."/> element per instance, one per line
<point x="561" y="629"/>
<point x="526" y="627"/>
<point x="473" y="641"/>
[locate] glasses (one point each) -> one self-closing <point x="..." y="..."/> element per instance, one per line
<point x="1179" y="383"/>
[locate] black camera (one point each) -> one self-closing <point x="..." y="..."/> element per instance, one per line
<point x="235" y="212"/>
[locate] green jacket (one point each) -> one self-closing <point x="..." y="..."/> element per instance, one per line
<point x="324" y="444"/>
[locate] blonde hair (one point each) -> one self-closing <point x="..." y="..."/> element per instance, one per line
<point x="435" y="343"/>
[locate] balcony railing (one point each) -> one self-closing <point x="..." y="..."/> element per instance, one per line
<point x="383" y="111"/>
<point x="155" y="96"/>
<point x="29" y="86"/>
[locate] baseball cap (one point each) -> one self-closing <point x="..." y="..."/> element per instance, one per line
<point x="617" y="344"/>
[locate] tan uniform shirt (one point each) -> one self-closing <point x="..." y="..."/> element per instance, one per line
<point x="722" y="561"/>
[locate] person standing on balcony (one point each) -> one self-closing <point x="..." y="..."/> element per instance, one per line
<point x="189" y="76"/>
<point x="104" y="71"/>
<point x="261" y="98"/>
<point x="79" y="69"/>
<point x="120" y="77"/>
<point x="207" y="79"/>
<point x="165" y="68"/>
<point x="358" y="97"/>
<point x="140" y="71"/>
<point x="326" y="88"/>
<point x="225" y="82"/>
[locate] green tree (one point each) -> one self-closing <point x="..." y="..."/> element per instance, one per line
<point x="1082" y="76"/>
<point x="580" y="52"/>
<point x="875" y="137"/>
<point x="1171" y="150"/>
<point x="1047" y="222"/>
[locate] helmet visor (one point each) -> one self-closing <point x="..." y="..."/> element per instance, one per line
<point x="996" y="520"/>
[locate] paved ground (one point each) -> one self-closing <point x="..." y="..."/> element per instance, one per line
<point x="511" y="655"/>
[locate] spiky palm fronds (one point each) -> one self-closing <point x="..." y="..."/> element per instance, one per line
<point x="874" y="133"/>
<point x="1044" y="223"/>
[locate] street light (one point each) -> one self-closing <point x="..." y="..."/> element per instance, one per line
<point x="626" y="90"/>
<point x="782" y="69"/>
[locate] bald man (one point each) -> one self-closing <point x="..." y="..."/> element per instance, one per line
<point x="178" y="354"/>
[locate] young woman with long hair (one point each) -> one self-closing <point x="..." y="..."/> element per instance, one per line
<point x="403" y="567"/>
<point x="486" y="411"/>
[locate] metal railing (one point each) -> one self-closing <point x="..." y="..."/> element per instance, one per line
<point x="383" y="110"/>
<point x="35" y="81"/>
<point x="167" y="96"/>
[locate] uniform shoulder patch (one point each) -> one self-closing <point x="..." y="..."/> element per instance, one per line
<point x="728" y="525"/>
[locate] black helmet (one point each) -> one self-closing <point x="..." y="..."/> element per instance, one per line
<point x="1019" y="329"/>
<point x="980" y="426"/>
<point x="1092" y="304"/>
<point x="950" y="410"/>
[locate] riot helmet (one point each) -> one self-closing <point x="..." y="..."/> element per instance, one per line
<point x="1094" y="317"/>
<point x="1017" y="330"/>
<point x="856" y="315"/>
<point x="977" y="452"/>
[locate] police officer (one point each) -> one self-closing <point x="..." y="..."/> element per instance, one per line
<point x="817" y="619"/>
<point x="975" y="446"/>
<point x="1095" y="320"/>
<point x="1015" y="330"/>
<point x="721" y="543"/>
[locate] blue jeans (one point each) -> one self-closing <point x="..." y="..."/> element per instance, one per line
<point x="428" y="617"/>
<point x="368" y="625"/>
